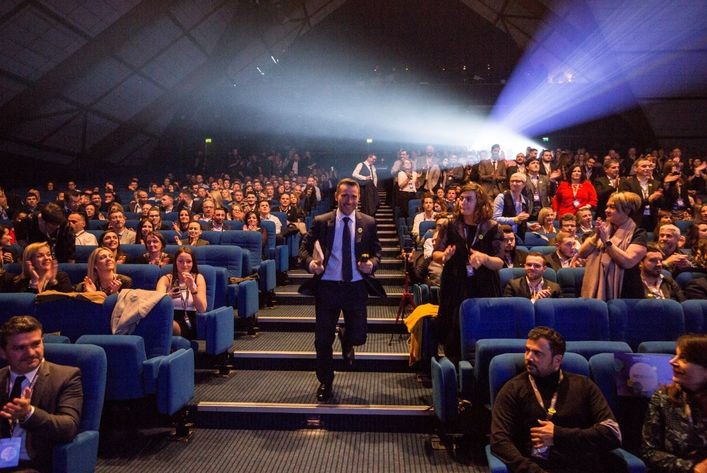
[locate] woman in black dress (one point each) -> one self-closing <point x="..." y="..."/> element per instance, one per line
<point x="471" y="262"/>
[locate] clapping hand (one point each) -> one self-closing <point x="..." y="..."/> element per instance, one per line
<point x="477" y="259"/>
<point x="89" y="285"/>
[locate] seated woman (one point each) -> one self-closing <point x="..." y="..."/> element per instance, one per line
<point x="181" y="225"/>
<point x="674" y="431"/>
<point x="188" y="290"/>
<point x="144" y="227"/>
<point x="10" y="251"/>
<point x="92" y="213"/>
<point x="111" y="241"/>
<point x="102" y="275"/>
<point x="252" y="224"/>
<point x="40" y="272"/>
<point x="193" y="236"/>
<point x="155" y="244"/>
<point x="546" y="219"/>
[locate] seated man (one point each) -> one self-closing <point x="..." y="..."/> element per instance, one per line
<point x="546" y="419"/>
<point x="568" y="224"/>
<point x="655" y="285"/>
<point x="532" y="286"/>
<point x="77" y="221"/>
<point x="295" y="216"/>
<point x="43" y="401"/>
<point x="566" y="254"/>
<point x="513" y="256"/>
<point x="674" y="259"/>
<point x="427" y="214"/>
<point x="50" y="225"/>
<point x="218" y="223"/>
<point x="116" y="222"/>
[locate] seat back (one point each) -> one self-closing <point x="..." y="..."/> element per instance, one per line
<point x="686" y="276"/>
<point x="270" y="232"/>
<point x="91" y="360"/>
<point x="535" y="239"/>
<point x="695" y="311"/>
<point x="444" y="389"/>
<point x="494" y="317"/>
<point x="214" y="238"/>
<point x="251" y="241"/>
<point x="506" y="366"/>
<point x="639" y="320"/>
<point x="144" y="276"/>
<point x="570" y="281"/>
<point x="224" y="256"/>
<point x="575" y="319"/>
<point x="16" y="303"/>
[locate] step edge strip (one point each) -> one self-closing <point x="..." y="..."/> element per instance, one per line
<point x="293" y="408"/>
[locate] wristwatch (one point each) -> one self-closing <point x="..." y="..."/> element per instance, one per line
<point x="608" y="243"/>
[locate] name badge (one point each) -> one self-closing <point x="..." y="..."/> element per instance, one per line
<point x="10" y="452"/>
<point x="647" y="210"/>
<point x="575" y="202"/>
<point x="536" y="197"/>
<point x="680" y="202"/>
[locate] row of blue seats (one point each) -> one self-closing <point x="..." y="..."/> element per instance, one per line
<point x="217" y="263"/>
<point x="503" y="367"/>
<point x="489" y="326"/>
<point x="217" y="322"/>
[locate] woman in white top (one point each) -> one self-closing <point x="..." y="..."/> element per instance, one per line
<point x="188" y="290"/>
<point x="406" y="186"/>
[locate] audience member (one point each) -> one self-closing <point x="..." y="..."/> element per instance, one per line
<point x="674" y="432"/>
<point x="471" y="262"/>
<point x="365" y="174"/>
<point x="194" y="232"/>
<point x="649" y="189"/>
<point x="116" y="222"/>
<point x="574" y="193"/>
<point x="614" y="252"/>
<point x="43" y="400"/>
<point x="546" y="219"/>
<point x="50" y="225"/>
<point x="513" y="208"/>
<point x="538" y="188"/>
<point x="144" y="227"/>
<point x="512" y="256"/>
<point x="607" y="184"/>
<point x="565" y="255"/>
<point x="405" y="180"/>
<point x="155" y="244"/>
<point x="109" y="240"/>
<point x="533" y="285"/>
<point x="655" y="284"/>
<point x="77" y="221"/>
<point x="547" y="419"/>
<point x="426" y="215"/>
<point x="187" y="287"/>
<point x="675" y="260"/>
<point x="102" y="275"/>
<point x="40" y="272"/>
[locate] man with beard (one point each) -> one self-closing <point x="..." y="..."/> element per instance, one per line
<point x="546" y="419"/>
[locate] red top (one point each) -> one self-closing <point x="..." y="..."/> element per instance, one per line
<point x="563" y="202"/>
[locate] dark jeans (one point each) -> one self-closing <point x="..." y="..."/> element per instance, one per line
<point x="332" y="298"/>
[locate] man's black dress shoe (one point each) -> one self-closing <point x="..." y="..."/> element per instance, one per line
<point x="347" y="349"/>
<point x="324" y="392"/>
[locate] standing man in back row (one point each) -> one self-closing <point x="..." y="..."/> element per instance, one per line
<point x="365" y="174"/>
<point x="342" y="250"/>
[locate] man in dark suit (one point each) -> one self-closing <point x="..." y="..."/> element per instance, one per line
<point x="342" y="250"/>
<point x="44" y="409"/>
<point x="532" y="286"/>
<point x="607" y="184"/>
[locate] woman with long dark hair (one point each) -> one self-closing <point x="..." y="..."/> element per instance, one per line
<point x="574" y="193"/>
<point x="188" y="291"/>
<point x="675" y="430"/>
<point x="471" y="260"/>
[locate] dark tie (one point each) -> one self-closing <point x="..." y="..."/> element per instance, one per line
<point x="15" y="393"/>
<point x="346" y="269"/>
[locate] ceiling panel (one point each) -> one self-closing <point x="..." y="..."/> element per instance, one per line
<point x="175" y="63"/>
<point x="31" y="43"/>
<point x="129" y="98"/>
<point x="149" y="41"/>
<point x="9" y="88"/>
<point x="97" y="81"/>
<point x="668" y="117"/>
<point x="209" y="32"/>
<point x="91" y="16"/>
<point x="128" y="150"/>
<point x="69" y="136"/>
<point x="36" y="130"/>
<point x="98" y="128"/>
<point x="189" y="12"/>
<point x="31" y="152"/>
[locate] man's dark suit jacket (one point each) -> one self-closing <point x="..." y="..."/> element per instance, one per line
<point x="57" y="398"/>
<point x="365" y="241"/>
<point x="553" y="261"/>
<point x="518" y="287"/>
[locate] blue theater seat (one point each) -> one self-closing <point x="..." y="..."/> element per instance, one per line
<point x="506" y="274"/>
<point x="575" y="319"/>
<point x="80" y="455"/>
<point x="695" y="311"/>
<point x="640" y="320"/>
<point x="570" y="281"/>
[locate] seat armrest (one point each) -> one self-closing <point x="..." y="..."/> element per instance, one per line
<point x="125" y="355"/>
<point x="78" y="456"/>
<point x="466" y="379"/>
<point x="175" y="381"/>
<point x="495" y="463"/>
<point x="244" y="297"/>
<point x="216" y="327"/>
<point x="632" y="462"/>
<point x="267" y="274"/>
<point x="150" y="373"/>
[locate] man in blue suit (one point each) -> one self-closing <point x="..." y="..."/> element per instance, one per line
<point x="342" y="250"/>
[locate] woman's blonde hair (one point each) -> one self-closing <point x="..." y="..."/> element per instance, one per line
<point x="27" y="255"/>
<point x="91" y="271"/>
<point x="626" y="202"/>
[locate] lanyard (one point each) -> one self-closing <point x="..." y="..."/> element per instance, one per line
<point x="550" y="410"/>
